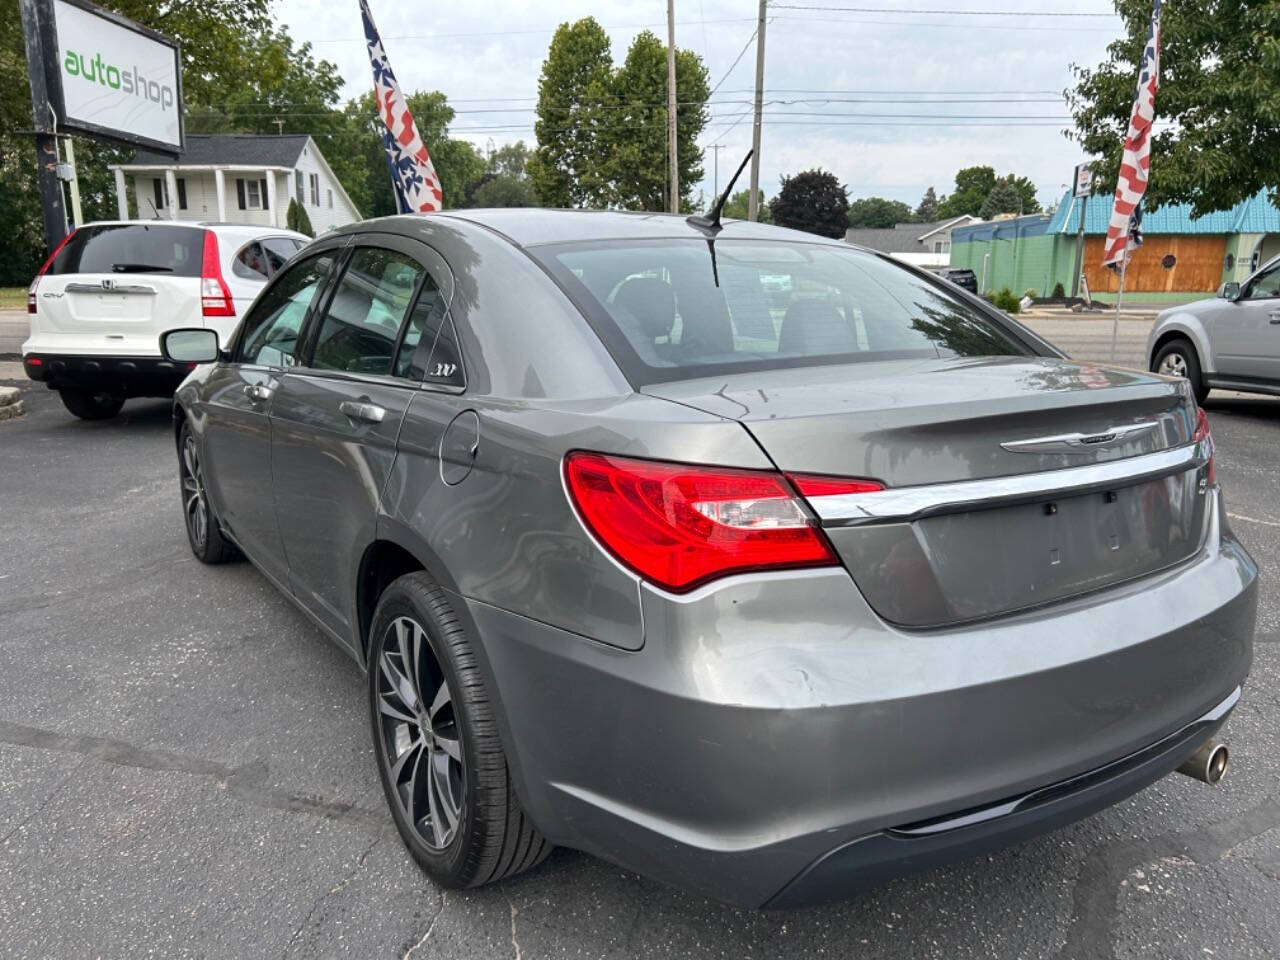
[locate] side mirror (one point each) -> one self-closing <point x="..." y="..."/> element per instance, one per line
<point x="195" y="345"/>
<point x="1229" y="291"/>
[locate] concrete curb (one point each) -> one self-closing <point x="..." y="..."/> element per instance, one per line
<point x="10" y="403"/>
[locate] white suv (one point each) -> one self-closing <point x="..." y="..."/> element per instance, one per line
<point x="102" y="299"/>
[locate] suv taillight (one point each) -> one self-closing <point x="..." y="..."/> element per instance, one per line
<point x="215" y="298"/>
<point x="1202" y="435"/>
<point x="680" y="525"/>
<point x="31" y="290"/>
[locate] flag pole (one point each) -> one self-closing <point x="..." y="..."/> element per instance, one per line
<point x="1115" y="321"/>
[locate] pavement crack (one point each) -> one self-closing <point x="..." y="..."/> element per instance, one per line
<point x="246" y="783"/>
<point x="336" y="888"/>
<point x="1096" y="889"/>
<point x="515" y="944"/>
<point x="430" y="928"/>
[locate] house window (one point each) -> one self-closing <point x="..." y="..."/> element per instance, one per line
<point x="298" y="188"/>
<point x="330" y="199"/>
<point x="251" y="194"/>
<point x="160" y="193"/>
<point x="942" y="246"/>
<point x="315" y="190"/>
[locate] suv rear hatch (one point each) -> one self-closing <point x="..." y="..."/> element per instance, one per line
<point x="1009" y="482"/>
<point x="113" y="288"/>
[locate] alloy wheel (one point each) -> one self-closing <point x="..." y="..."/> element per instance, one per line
<point x="421" y="742"/>
<point x="1174" y="365"/>
<point x="193" y="495"/>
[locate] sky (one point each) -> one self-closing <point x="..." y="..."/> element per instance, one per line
<point x="890" y="101"/>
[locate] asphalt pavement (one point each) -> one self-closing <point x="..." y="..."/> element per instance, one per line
<point x="186" y="771"/>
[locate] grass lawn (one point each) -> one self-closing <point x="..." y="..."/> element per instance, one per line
<point x="13" y="297"/>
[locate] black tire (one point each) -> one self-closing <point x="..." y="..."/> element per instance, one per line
<point x="492" y="837"/>
<point x="203" y="533"/>
<point x="90" y="406"/>
<point x="1178" y="357"/>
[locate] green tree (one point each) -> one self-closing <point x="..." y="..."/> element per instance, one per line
<point x="972" y="186"/>
<point x="813" y="201"/>
<point x="501" y="190"/>
<point x="738" y="206"/>
<point x="878" y="212"/>
<point x="568" y="167"/>
<point x="511" y="160"/>
<point x="635" y="127"/>
<point x="1219" y="77"/>
<point x="1003" y="198"/>
<point x="927" y="212"/>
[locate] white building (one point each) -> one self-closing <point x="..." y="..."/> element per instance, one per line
<point x="234" y="178"/>
<point x="926" y="245"/>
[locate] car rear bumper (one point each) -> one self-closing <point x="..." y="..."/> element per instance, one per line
<point x="122" y="376"/>
<point x="774" y="738"/>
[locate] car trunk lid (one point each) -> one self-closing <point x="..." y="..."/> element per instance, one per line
<point x="1010" y="482"/>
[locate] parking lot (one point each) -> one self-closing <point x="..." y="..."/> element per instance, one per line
<point x="185" y="767"/>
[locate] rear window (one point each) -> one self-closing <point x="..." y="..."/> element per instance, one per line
<point x="668" y="311"/>
<point x="132" y="248"/>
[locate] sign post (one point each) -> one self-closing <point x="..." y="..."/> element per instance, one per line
<point x="1082" y="187"/>
<point x="96" y="73"/>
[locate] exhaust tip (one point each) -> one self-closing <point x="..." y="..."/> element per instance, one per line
<point x="1208" y="764"/>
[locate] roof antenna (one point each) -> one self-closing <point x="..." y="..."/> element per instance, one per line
<point x="711" y="220"/>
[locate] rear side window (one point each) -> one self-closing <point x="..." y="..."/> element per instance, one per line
<point x="362" y="323"/>
<point x="273" y="323"/>
<point x="667" y="310"/>
<point x="251" y="263"/>
<point x="430" y="349"/>
<point x="132" y="248"/>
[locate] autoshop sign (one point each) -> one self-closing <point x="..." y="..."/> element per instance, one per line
<point x="113" y="78"/>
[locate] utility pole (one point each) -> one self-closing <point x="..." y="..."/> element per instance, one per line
<point x="753" y="206"/>
<point x="715" y="149"/>
<point x="51" y="200"/>
<point x="672" y="160"/>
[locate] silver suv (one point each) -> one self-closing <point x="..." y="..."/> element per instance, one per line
<point x="1231" y="341"/>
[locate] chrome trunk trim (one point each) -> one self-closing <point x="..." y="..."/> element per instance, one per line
<point x="910" y="503"/>
<point x="120" y="288"/>
<point x="1079" y="442"/>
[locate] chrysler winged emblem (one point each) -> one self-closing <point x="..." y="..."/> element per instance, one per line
<point x="1079" y="442"/>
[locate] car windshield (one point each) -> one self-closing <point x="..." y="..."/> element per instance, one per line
<point x="668" y="310"/>
<point x="132" y="248"/>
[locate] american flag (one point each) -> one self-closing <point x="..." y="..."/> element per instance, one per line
<point x="412" y="173"/>
<point x="1136" y="161"/>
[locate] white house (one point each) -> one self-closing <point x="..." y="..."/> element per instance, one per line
<point x="235" y="178"/>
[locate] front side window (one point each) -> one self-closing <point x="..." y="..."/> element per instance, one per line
<point x="667" y="311"/>
<point x="362" y="323"/>
<point x="1265" y="286"/>
<point x="272" y="325"/>
<point x="278" y="251"/>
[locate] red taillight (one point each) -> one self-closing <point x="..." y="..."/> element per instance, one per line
<point x="679" y="525"/>
<point x="814" y="486"/>
<point x="1202" y="435"/>
<point x="215" y="298"/>
<point x="31" y="290"/>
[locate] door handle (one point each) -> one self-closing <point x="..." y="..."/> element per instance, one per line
<point x="368" y="412"/>
<point x="257" y="392"/>
<point x="1275" y="316"/>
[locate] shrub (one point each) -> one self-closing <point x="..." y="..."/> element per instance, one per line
<point x="296" y="218"/>
<point x="1059" y="292"/>
<point x="1006" y="300"/>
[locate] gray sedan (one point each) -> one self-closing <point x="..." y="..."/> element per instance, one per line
<point x="1231" y="341"/>
<point x="755" y="562"/>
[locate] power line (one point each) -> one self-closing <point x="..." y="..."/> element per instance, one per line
<point x="930" y="24"/>
<point x="537" y="30"/>
<point x="736" y="60"/>
<point x="948" y="13"/>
